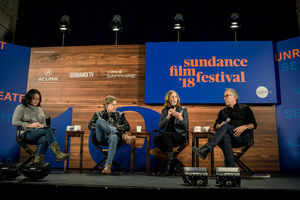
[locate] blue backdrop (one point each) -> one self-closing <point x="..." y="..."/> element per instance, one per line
<point x="288" y="111"/>
<point x="14" y="64"/>
<point x="60" y="123"/>
<point x="163" y="72"/>
<point x="200" y="71"/>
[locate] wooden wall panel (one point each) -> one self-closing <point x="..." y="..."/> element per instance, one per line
<point x="85" y="95"/>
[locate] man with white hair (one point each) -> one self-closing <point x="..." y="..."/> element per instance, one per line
<point x="109" y="125"/>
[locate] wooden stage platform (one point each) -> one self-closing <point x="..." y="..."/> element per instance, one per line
<point x="138" y="184"/>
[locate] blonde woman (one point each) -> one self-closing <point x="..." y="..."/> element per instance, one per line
<point x="173" y="123"/>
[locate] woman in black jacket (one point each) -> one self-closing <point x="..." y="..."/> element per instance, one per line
<point x="173" y="122"/>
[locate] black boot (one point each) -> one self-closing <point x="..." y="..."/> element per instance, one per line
<point x="201" y="152"/>
<point x="170" y="159"/>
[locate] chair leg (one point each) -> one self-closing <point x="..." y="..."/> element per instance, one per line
<point x="161" y="167"/>
<point x="244" y="167"/>
<point x="96" y="167"/>
<point x="117" y="166"/>
<point x="25" y="162"/>
<point x="29" y="151"/>
<point x="178" y="165"/>
<point x="114" y="163"/>
<point x="26" y="148"/>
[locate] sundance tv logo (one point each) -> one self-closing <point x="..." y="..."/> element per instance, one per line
<point x="48" y="78"/>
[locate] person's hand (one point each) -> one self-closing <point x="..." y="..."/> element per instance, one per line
<point x="170" y="112"/>
<point x="178" y="115"/>
<point x="35" y="125"/>
<point x="239" y="130"/>
<point x="220" y="125"/>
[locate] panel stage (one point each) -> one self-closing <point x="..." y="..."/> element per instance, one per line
<point x="139" y="184"/>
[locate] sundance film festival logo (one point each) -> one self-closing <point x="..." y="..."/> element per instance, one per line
<point x="48" y="78"/>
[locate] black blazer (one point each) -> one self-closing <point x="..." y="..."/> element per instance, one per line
<point x="180" y="127"/>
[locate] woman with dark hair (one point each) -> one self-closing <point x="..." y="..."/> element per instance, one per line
<point x="30" y="117"/>
<point x="173" y="123"/>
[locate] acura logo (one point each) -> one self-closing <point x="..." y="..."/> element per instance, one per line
<point x="48" y="72"/>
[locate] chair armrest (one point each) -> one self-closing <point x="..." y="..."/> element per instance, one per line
<point x="53" y="129"/>
<point x="156" y="131"/>
<point x="251" y="134"/>
<point x="121" y="130"/>
<point x="187" y="135"/>
<point x="19" y="128"/>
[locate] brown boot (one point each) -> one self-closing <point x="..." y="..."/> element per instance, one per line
<point x="107" y="169"/>
<point x="128" y="139"/>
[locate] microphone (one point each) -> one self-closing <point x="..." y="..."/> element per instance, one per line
<point x="173" y="104"/>
<point x="228" y="120"/>
<point x="228" y="116"/>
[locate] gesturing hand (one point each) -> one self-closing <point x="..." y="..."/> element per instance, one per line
<point x="178" y="115"/>
<point x="239" y="130"/>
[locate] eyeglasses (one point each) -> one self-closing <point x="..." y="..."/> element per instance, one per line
<point x="36" y="99"/>
<point x="227" y="95"/>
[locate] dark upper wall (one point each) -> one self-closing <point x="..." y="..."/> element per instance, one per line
<point x="150" y="21"/>
<point x="8" y="19"/>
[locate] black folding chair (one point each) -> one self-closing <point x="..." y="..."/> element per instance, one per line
<point x="178" y="165"/>
<point x="101" y="147"/>
<point x="24" y="143"/>
<point x="239" y="154"/>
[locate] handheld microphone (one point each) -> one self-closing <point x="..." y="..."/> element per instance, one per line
<point x="173" y="104"/>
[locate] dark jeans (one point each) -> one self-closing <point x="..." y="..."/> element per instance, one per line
<point x="43" y="136"/>
<point x="167" y="140"/>
<point x="224" y="137"/>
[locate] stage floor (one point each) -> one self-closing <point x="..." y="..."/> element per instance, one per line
<point x="57" y="181"/>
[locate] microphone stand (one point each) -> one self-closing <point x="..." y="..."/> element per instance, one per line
<point x="63" y="38"/>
